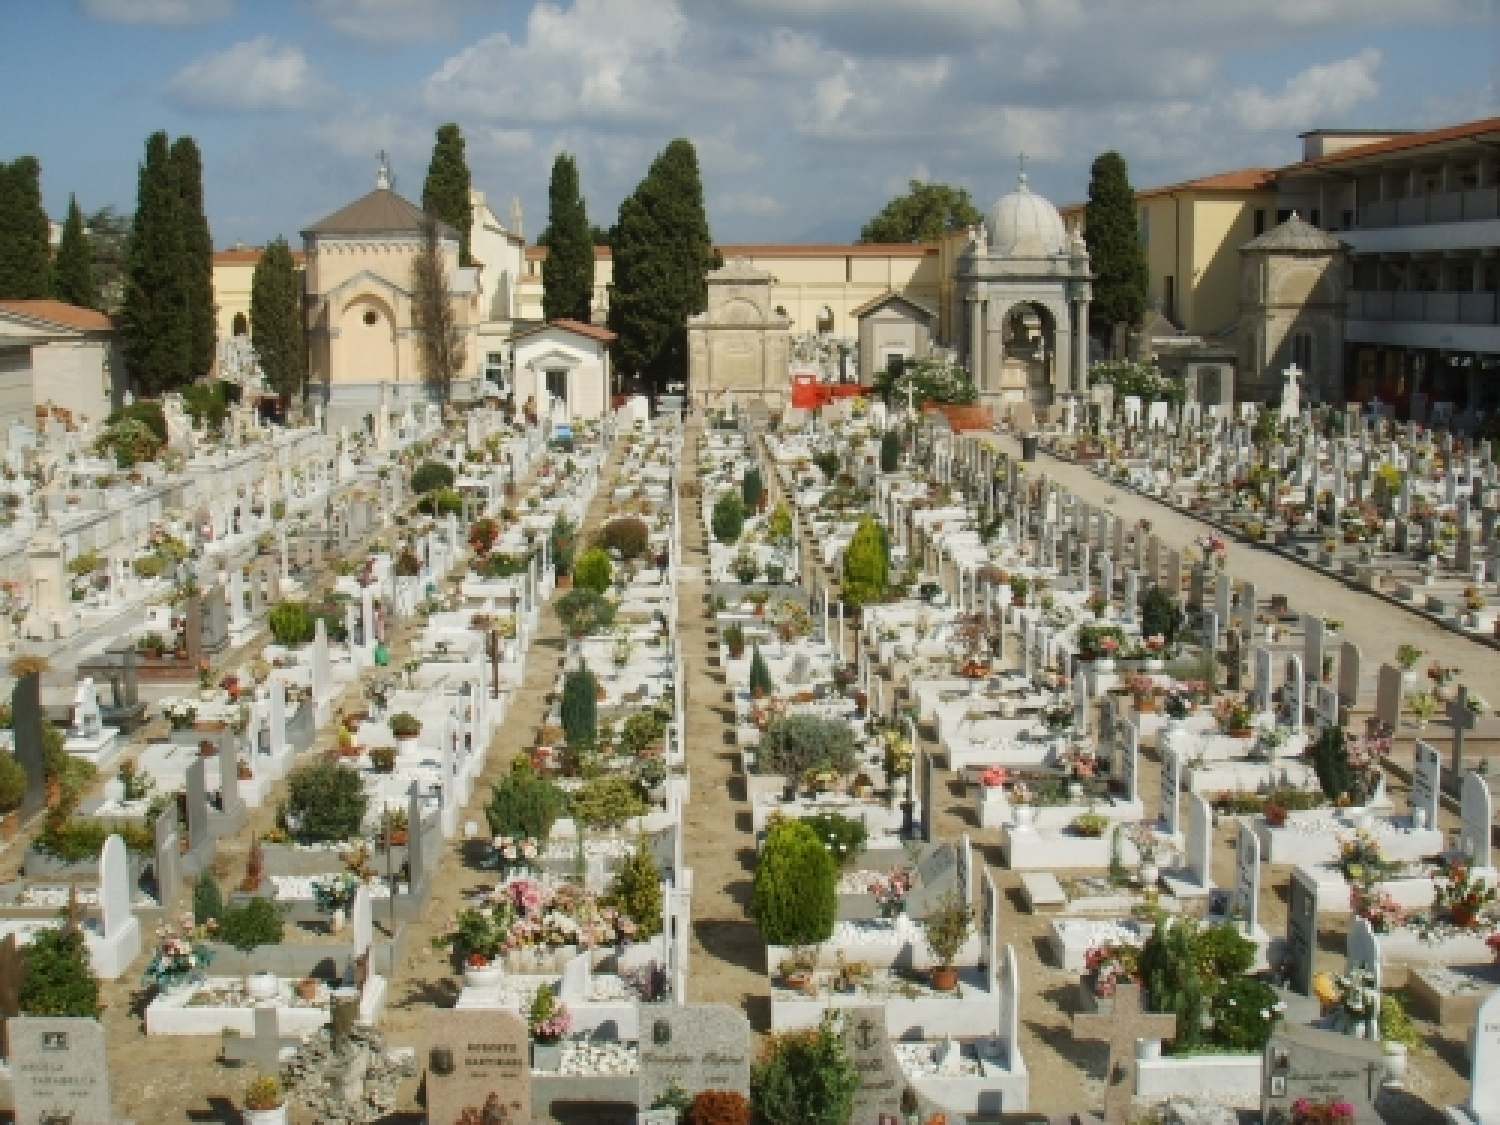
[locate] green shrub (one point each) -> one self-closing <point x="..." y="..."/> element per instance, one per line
<point x="728" y="518"/>
<point x="328" y="799"/>
<point x="208" y="900"/>
<point x="580" y="708"/>
<point x="147" y="411"/>
<point x="607" y="803"/>
<point x="131" y="442"/>
<point x="582" y="612"/>
<point x="890" y="452"/>
<point x="1161" y="616"/>
<point x="58" y="977"/>
<point x="149" y="566"/>
<point x="640" y="730"/>
<point x="828" y="463"/>
<point x="441" y="502"/>
<point x="564" y="537"/>
<point x="1170" y="975"/>
<point x="500" y="565"/>
<point x="866" y="565"/>
<point x="779" y="528"/>
<point x="523" y="804"/>
<point x="761" y="683"/>
<point x="593" y="570"/>
<point x="256" y="923"/>
<point x="628" y="535"/>
<point x="794" y="744"/>
<point x="752" y="488"/>
<point x="805" y="1078"/>
<point x="1331" y="763"/>
<point x="1091" y="638"/>
<point x="636" y="890"/>
<point x="12" y="784"/>
<point x="1236" y="1010"/>
<point x="431" y="475"/>
<point x="795" y="897"/>
<point x="844" y="837"/>
<point x="290" y="623"/>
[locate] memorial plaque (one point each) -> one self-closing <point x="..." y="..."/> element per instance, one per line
<point x="1323" y="1067"/>
<point x="696" y="1046"/>
<point x="59" y="1070"/>
<point x="1427" y="777"/>
<point x="881" y="1079"/>
<point x="471" y="1055"/>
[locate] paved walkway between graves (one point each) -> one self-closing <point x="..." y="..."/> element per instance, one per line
<point x="727" y="962"/>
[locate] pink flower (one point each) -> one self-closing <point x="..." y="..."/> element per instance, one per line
<point x="992" y="777"/>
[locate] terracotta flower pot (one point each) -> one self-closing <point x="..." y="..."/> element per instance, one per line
<point x="1463" y="916"/>
<point x="307" y="988"/>
<point x="944" y="978"/>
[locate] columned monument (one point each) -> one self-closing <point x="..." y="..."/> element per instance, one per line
<point x="1023" y="285"/>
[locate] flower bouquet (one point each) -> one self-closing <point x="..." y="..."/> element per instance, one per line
<point x="180" y="713"/>
<point x="890" y="892"/>
<point x="548" y="1019"/>
<point x="1308" y="1112"/>
<point x="1234" y="716"/>
<point x="1462" y="896"/>
<point x="992" y="777"/>
<point x="180" y="955"/>
<point x="1109" y="964"/>
<point x="335" y="892"/>
<point x="516" y="851"/>
<point x="1379" y="908"/>
<point x="1058" y="716"/>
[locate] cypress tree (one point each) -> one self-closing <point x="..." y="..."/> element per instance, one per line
<point x="154" y="328"/>
<point x="276" y="327"/>
<point x="662" y="252"/>
<point x="73" y="272"/>
<point x="445" y="192"/>
<point x="25" y="251"/>
<point x="568" y="272"/>
<point x="1122" y="278"/>
<point x="197" y="260"/>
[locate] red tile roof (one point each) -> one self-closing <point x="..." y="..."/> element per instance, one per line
<point x="1240" y="179"/>
<point x="577" y="327"/>
<point x="1401" y="143"/>
<point x="247" y="256"/>
<point x="60" y="312"/>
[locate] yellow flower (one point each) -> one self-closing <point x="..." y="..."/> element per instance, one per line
<point x="1324" y="988"/>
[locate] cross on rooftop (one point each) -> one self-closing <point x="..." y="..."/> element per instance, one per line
<point x="1120" y="1029"/>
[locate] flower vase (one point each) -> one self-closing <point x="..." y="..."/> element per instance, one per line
<point x="483" y="976"/>
<point x="275" y="1116"/>
<point x="1025" y="817"/>
<point x="1149" y="874"/>
<point x="1418" y="819"/>
<point x="546" y="1056"/>
<point x="336" y="922"/>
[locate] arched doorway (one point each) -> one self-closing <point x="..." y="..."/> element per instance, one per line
<point x="1028" y="353"/>
<point x="241" y="326"/>
<point x="367" y="340"/>
<point x="825" y="321"/>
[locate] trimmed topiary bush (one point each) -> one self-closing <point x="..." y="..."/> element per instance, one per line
<point x="627" y="535"/>
<point x="593" y="570"/>
<point x="795" y="898"/>
<point x="752" y="488"/>
<point x="58" y="977"/>
<point x="794" y="744"/>
<point x="728" y="518"/>
<point x="580" y="708"/>
<point x="523" y="804"/>
<point x="607" y="802"/>
<point x="208" y="900"/>
<point x="291" y="623"/>
<point x="256" y="923"/>
<point x="1161" y="616"/>
<point x="431" y="475"/>
<point x="327" y="802"/>
<point x="636" y="891"/>
<point x="761" y="684"/>
<point x="581" y="612"/>
<point x="866" y="565"/>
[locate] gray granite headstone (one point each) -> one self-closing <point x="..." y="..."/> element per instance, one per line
<point x="1484" y="1082"/>
<point x="881" y="1079"/>
<point x="697" y="1046"/>
<point x="59" y="1070"/>
<point x="1388" y="695"/>
<point x="1426" y="782"/>
<point x="26" y="721"/>
<point x="168" y="879"/>
<point x="1349" y="673"/>
<point x="1301" y="930"/>
<point x="937" y="875"/>
<point x="197" y="806"/>
<point x="1321" y="1066"/>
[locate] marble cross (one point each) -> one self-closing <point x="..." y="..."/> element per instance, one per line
<point x="264" y="1047"/>
<point x="1120" y="1029"/>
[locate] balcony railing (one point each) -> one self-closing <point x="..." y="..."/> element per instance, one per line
<point x="1430" y="308"/>
<point x="1469" y="206"/>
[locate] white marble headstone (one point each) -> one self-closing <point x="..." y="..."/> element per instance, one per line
<point x="114" y="886"/>
<point x="1426" y="782"/>
<point x="1474" y="820"/>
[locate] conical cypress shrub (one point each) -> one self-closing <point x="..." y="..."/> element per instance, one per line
<point x="795" y="898"/>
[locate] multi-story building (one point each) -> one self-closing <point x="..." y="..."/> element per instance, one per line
<point x="1419" y="217"/>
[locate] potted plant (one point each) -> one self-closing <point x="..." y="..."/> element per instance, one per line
<point x="796" y="969"/>
<point x="1143" y="688"/>
<point x="1462" y="895"/>
<point x="395" y="826"/>
<point x="383" y="758"/>
<point x="948" y="927"/>
<point x="405" y="725"/>
<point x="1234" y="716"/>
<point x="1023" y="810"/>
<point x="265" y="1101"/>
<point x="548" y="1022"/>
<point x="1091" y="826"/>
<point x="734" y="640"/>
<point x="1407" y="656"/>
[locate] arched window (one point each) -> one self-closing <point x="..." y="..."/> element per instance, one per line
<point x="825" y="321"/>
<point x="241" y="325"/>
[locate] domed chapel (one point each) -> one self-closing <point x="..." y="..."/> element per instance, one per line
<point x="1023" y="281"/>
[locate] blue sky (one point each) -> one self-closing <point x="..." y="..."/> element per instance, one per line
<point x="808" y="114"/>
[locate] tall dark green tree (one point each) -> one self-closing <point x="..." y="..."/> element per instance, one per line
<point x="197" y="259"/>
<point x="154" y="327"/>
<point x="73" y="272"/>
<point x="1122" y="278"/>
<point x="109" y="247"/>
<point x="924" y="214"/>
<point x="568" y="272"/>
<point x="445" y="192"/>
<point x="662" y="253"/>
<point x="25" y="251"/>
<point x="276" y="327"/>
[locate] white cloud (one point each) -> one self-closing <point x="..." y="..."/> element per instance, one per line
<point x="167" y="13"/>
<point x="594" y="61"/>
<point x="1321" y="94"/>
<point x="390" y="23"/>
<point x="249" y="77"/>
<point x="747" y="203"/>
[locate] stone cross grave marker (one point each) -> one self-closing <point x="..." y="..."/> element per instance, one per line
<point x="1121" y="1029"/>
<point x="472" y="1054"/>
<point x="265" y="1046"/>
<point x="200" y="836"/>
<point x="1475" y="812"/>
<point x="697" y="1046"/>
<point x="60" y="1070"/>
<point x="1322" y="1066"/>
<point x="1463" y="720"/>
<point x="1426" y="782"/>
<point x="881" y="1079"/>
<point x="1247" y="877"/>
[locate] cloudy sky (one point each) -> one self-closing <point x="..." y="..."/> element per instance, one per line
<point x="808" y="114"/>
